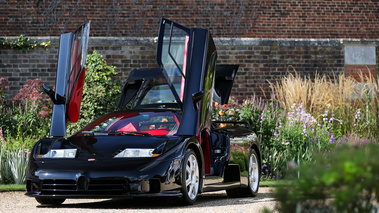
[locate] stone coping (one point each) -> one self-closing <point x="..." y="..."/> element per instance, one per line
<point x="126" y="41"/>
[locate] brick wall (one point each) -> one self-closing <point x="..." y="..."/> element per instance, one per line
<point x="266" y="60"/>
<point x="225" y="18"/>
<point x="128" y="54"/>
<point x="261" y="60"/>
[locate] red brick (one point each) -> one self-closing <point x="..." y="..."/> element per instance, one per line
<point x="360" y="72"/>
<point x="275" y="18"/>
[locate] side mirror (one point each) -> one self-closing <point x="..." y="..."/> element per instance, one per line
<point x="56" y="98"/>
<point x="197" y="97"/>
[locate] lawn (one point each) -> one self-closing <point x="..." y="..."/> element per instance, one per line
<point x="12" y="187"/>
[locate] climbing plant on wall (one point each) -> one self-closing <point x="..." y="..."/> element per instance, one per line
<point x="22" y="43"/>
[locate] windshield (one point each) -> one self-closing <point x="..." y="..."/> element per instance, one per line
<point x="152" y="123"/>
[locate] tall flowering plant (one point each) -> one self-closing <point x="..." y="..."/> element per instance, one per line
<point x="4" y="85"/>
<point x="27" y="116"/>
<point x="263" y="116"/>
<point x="295" y="140"/>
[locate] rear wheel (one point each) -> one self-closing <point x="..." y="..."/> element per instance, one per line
<point x="190" y="178"/>
<point x="254" y="174"/>
<point x="253" y="179"/>
<point x="50" y="201"/>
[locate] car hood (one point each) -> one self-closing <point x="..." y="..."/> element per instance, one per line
<point x="107" y="146"/>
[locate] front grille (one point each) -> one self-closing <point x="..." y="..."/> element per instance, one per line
<point x="81" y="187"/>
<point x="108" y="186"/>
<point x="58" y="186"/>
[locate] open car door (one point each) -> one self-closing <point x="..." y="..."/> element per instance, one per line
<point x="172" y="54"/>
<point x="187" y="63"/>
<point x="187" y="58"/>
<point x="70" y="76"/>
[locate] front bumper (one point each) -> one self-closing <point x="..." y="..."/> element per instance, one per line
<point x="157" y="179"/>
<point x="99" y="188"/>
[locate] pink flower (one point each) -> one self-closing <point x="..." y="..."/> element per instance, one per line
<point x="4" y="85"/>
<point x="30" y="91"/>
<point x="43" y="114"/>
<point x="3" y="142"/>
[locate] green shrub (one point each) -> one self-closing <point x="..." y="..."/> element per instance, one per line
<point x="344" y="181"/>
<point x="101" y="91"/>
<point x="22" y="43"/>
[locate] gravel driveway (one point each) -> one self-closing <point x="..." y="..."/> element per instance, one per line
<point x="208" y="202"/>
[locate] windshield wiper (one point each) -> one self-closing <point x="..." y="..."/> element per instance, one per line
<point x="94" y="133"/>
<point x="134" y="133"/>
<point x="112" y="132"/>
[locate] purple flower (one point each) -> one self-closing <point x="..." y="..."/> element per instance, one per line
<point x="276" y="134"/>
<point x="365" y="141"/>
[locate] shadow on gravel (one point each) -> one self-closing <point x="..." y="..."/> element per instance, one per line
<point x="207" y="199"/>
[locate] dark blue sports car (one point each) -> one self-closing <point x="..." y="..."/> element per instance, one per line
<point x="165" y="144"/>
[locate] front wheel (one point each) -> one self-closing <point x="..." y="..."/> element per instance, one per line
<point x="50" y="201"/>
<point x="190" y="177"/>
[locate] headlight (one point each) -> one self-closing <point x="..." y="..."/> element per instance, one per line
<point x="136" y="153"/>
<point x="60" y="153"/>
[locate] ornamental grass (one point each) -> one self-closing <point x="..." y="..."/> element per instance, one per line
<point x="354" y="102"/>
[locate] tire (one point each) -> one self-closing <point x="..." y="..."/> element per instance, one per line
<point x="50" y="201"/>
<point x="253" y="179"/>
<point x="254" y="174"/>
<point x="190" y="178"/>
